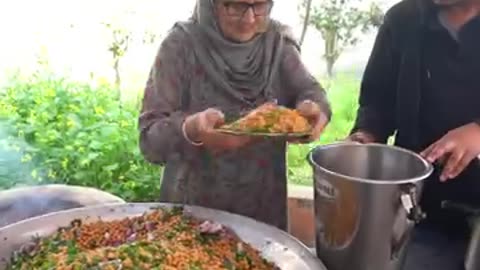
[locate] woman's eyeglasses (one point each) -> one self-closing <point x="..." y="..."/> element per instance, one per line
<point x="238" y="9"/>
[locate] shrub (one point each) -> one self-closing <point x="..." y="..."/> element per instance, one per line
<point x="80" y="135"/>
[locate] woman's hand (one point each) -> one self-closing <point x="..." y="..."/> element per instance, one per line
<point x="200" y="128"/>
<point x="456" y="149"/>
<point x="315" y="116"/>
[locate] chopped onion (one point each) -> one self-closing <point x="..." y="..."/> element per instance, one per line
<point x="210" y="227"/>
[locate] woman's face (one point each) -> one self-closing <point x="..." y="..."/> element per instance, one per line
<point x="241" y="20"/>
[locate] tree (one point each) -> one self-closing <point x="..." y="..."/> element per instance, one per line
<point x="118" y="47"/>
<point x="122" y="35"/>
<point x="340" y="22"/>
<point x="307" y="5"/>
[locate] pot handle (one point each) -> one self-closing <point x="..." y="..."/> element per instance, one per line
<point x="414" y="216"/>
<point x="409" y="202"/>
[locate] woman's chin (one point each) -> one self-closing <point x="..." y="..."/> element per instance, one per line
<point x="241" y="37"/>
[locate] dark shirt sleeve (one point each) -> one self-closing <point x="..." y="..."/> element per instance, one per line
<point x="301" y="82"/>
<point x="376" y="113"/>
<point x="469" y="37"/>
<point x="162" y="115"/>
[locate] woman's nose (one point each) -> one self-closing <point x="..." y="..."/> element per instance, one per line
<point x="249" y="16"/>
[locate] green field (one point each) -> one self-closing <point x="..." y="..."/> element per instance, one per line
<point x="54" y="130"/>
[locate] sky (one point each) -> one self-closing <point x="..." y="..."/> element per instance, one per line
<point x="32" y="27"/>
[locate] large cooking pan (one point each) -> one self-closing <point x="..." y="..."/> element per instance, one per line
<point x="21" y="203"/>
<point x="275" y="245"/>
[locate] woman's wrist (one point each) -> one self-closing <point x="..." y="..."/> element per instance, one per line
<point x="189" y="134"/>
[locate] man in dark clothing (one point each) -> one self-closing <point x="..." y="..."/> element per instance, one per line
<point x="422" y="84"/>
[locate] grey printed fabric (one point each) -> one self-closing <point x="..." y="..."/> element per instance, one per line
<point x="187" y="77"/>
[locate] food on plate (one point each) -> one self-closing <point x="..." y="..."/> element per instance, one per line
<point x="271" y="118"/>
<point x="164" y="239"/>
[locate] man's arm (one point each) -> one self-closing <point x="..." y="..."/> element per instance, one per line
<point x="461" y="146"/>
<point x="469" y="36"/>
<point x="376" y="113"/>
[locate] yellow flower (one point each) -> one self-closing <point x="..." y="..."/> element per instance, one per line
<point x="84" y="162"/>
<point x="103" y="81"/>
<point x="73" y="108"/>
<point x="99" y="110"/>
<point x="51" y="137"/>
<point x="34" y="174"/>
<point x="50" y="92"/>
<point x="26" y="158"/>
<point x="64" y="163"/>
<point x="70" y="123"/>
<point x="51" y="173"/>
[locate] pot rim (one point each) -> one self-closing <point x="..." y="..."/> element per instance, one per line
<point x="422" y="176"/>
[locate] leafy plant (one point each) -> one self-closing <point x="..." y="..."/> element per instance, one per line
<point x="78" y="135"/>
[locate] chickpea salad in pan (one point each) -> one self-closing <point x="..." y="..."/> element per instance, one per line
<point x="164" y="239"/>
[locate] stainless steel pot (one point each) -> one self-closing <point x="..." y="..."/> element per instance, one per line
<point x="274" y="244"/>
<point x="365" y="204"/>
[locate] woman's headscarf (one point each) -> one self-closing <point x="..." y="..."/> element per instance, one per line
<point x="245" y="70"/>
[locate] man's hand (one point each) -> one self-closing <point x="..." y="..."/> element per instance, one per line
<point x="317" y="119"/>
<point x="361" y="137"/>
<point x="458" y="148"/>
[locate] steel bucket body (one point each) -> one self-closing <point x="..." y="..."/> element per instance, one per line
<point x="365" y="204"/>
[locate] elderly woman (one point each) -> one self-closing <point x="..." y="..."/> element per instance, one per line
<point x="230" y="57"/>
